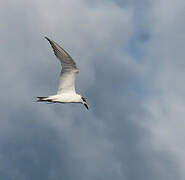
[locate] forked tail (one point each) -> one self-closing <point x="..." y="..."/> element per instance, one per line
<point x="43" y="98"/>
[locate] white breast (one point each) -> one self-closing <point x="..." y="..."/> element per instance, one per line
<point x="66" y="98"/>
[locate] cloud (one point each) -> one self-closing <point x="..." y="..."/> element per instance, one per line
<point x="167" y="106"/>
<point x="125" y="73"/>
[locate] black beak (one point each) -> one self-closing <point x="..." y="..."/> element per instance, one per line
<point x="86" y="105"/>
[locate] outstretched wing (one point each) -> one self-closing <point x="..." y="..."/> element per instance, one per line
<point x="69" y="69"/>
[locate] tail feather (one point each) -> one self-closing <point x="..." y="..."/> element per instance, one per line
<point x="41" y="98"/>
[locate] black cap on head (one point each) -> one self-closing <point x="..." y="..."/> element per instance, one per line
<point x="83" y="98"/>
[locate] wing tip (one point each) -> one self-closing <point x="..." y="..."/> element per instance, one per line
<point x="47" y="38"/>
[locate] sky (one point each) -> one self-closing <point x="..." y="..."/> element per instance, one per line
<point x="131" y="59"/>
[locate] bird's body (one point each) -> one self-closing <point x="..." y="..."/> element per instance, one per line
<point x="63" y="98"/>
<point x="66" y="91"/>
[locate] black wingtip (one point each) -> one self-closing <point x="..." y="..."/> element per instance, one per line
<point x="46" y="38"/>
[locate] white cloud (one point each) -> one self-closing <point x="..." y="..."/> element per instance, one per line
<point x="89" y="34"/>
<point x="108" y="141"/>
<point x="167" y="102"/>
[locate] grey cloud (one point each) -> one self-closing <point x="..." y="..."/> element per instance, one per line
<point x="115" y="139"/>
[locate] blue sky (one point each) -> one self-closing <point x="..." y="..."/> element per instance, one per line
<point x="131" y="60"/>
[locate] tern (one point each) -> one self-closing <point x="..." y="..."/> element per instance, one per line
<point x="66" y="90"/>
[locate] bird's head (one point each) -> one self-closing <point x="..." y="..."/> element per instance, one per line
<point x="84" y="102"/>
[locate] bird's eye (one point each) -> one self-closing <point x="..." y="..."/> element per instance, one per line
<point x="83" y="99"/>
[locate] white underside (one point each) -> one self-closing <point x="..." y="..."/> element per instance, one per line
<point x="65" y="98"/>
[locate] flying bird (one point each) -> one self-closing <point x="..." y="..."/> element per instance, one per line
<point x="66" y="90"/>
